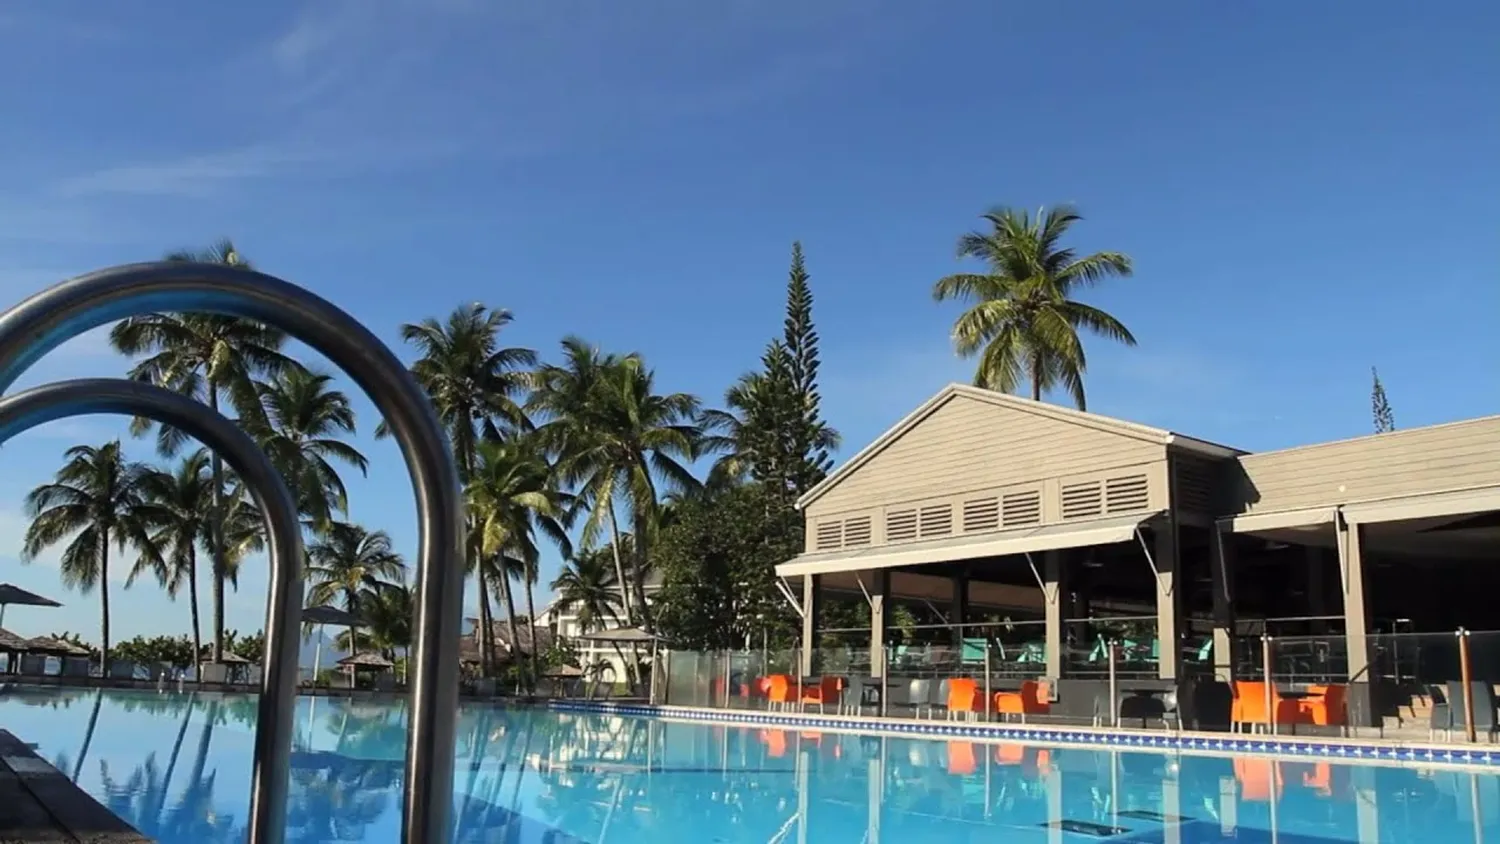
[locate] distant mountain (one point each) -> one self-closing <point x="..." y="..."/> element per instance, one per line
<point x="331" y="654"/>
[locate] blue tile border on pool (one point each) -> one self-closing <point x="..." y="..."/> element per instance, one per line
<point x="1301" y="746"/>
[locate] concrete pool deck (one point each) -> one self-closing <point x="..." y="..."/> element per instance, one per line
<point x="40" y="805"/>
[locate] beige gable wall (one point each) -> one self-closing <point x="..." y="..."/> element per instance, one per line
<point x="1438" y="458"/>
<point x="975" y="462"/>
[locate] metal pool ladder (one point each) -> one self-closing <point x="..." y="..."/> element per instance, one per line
<point x="42" y="322"/>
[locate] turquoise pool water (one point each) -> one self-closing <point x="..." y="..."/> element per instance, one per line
<point x="178" y="767"/>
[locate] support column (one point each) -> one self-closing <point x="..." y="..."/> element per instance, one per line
<point x="1054" y="593"/>
<point x="960" y="614"/>
<point x="1168" y="597"/>
<point x="812" y="601"/>
<point x="1350" y="541"/>
<point x="879" y="619"/>
<point x="1221" y="563"/>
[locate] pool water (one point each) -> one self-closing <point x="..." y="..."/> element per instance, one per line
<point x="178" y="768"/>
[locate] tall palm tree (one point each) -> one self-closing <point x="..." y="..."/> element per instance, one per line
<point x="631" y="443"/>
<point x="565" y="397"/>
<point x="389" y="618"/>
<point x="348" y="564"/>
<point x="1023" y="321"/>
<point x="586" y="587"/>
<point x="474" y="383"/>
<point x="184" y="503"/>
<point x="304" y="420"/>
<point x="209" y="357"/>
<point x="96" y="498"/>
<point x="512" y="497"/>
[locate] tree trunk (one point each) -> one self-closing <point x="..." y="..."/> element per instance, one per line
<point x="638" y="568"/>
<point x="510" y="609"/>
<point x="216" y="536"/>
<point x="1036" y="379"/>
<point x="486" y="625"/>
<point x="193" y="608"/>
<point x="536" y="648"/>
<point x="104" y="602"/>
<point x="614" y="545"/>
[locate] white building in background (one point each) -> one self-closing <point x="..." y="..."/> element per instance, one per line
<point x="567" y="626"/>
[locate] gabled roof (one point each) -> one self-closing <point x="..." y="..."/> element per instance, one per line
<point x="1108" y="424"/>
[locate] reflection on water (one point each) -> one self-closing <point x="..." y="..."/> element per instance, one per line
<point x="178" y="768"/>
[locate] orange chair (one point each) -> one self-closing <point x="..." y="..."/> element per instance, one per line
<point x="963" y="698"/>
<point x="1249" y="707"/>
<point x="1032" y="699"/>
<point x="824" y="694"/>
<point x="779" y="691"/>
<point x="1325" y="706"/>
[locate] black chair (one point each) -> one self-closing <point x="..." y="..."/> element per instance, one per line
<point x="1442" y="716"/>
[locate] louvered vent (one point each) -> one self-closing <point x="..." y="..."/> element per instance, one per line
<point x="981" y="514"/>
<point x="1127" y="494"/>
<point x="1019" y="509"/>
<point x="857" y="532"/>
<point x="936" y="520"/>
<point x="1192" y="488"/>
<point x="901" y="525"/>
<point x="830" y="535"/>
<point x="1080" y="501"/>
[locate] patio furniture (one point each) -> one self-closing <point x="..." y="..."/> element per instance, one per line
<point x="823" y="693"/>
<point x="1442" y="714"/>
<point x="1484" y="708"/>
<point x="1249" y="707"/>
<point x="963" y="699"/>
<point x="861" y="692"/>
<point x="1032" y="699"/>
<point x="1325" y="706"/>
<point x="779" y="694"/>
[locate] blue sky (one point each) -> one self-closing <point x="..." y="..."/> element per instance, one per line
<point x="1306" y="189"/>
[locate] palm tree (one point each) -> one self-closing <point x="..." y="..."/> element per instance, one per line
<point x="630" y="440"/>
<point x="96" y="498"/>
<point x="388" y="616"/>
<point x="511" y="497"/>
<point x="586" y="587"/>
<point x="473" y="382"/>
<point x="1022" y="321"/>
<point x="348" y="563"/>
<point x="564" y="394"/>
<point x="184" y="503"/>
<point x="304" y="419"/>
<point x="206" y="356"/>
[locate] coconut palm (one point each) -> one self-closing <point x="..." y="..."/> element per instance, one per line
<point x="474" y="383"/>
<point x="303" y="422"/>
<point x="96" y="498"/>
<point x="1022" y="320"/>
<point x="347" y="564"/>
<point x="565" y="397"/>
<point x="209" y="357"/>
<point x="184" y="509"/>
<point x="388" y="617"/>
<point x="512" y="497"/>
<point x="625" y="444"/>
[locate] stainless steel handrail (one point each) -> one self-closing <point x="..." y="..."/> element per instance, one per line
<point x="41" y="323"/>
<point x="59" y="400"/>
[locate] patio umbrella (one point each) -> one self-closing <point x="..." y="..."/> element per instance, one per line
<point x="13" y="594"/>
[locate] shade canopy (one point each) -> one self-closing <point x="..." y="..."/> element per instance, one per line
<point x="623" y="634"/>
<point x="54" y="646"/>
<point x="330" y="615"/>
<point x="231" y="658"/>
<point x="366" y="660"/>
<point x="11" y="594"/>
<point x="10" y="642"/>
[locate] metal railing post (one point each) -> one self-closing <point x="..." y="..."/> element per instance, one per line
<point x="273" y="747"/>
<point x="728" y="673"/>
<point x="42" y="322"/>
<point x="1270" y="687"/>
<point x="1465" y="672"/>
<point x="985" y="705"/>
<point x="1114" y="686"/>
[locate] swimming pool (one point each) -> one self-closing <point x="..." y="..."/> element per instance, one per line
<point x="178" y="768"/>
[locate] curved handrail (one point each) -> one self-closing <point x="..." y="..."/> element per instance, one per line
<point x="37" y="325"/>
<point x="29" y="408"/>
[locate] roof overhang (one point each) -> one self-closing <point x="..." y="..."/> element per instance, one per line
<point x="1105" y="531"/>
<point x="1281" y="520"/>
<point x="1462" y="502"/>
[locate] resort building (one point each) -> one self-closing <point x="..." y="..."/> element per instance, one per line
<point x="1042" y="531"/>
